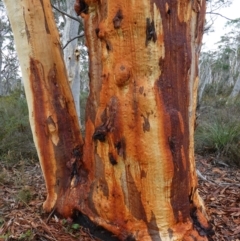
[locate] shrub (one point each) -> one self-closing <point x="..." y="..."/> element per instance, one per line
<point x="218" y="133"/>
<point x="217" y="136"/>
<point x="15" y="135"/>
<point x="24" y="195"/>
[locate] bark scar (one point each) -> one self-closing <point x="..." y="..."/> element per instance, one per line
<point x="81" y="6"/>
<point x="150" y="31"/>
<point x="26" y="27"/>
<point x="117" y="20"/>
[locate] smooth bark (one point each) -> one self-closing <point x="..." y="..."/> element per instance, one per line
<point x="72" y="55"/>
<point x="235" y="91"/>
<point x="52" y="112"/>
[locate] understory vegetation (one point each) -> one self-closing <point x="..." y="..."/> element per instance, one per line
<point x="217" y="133"/>
<point x="16" y="141"/>
<point x="218" y="127"/>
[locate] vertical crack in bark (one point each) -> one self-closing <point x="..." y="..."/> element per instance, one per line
<point x="146" y="123"/>
<point x="174" y="88"/>
<point x="45" y="19"/>
<point x="26" y="26"/>
<point x="135" y="204"/>
<point x="108" y="116"/>
<point x="68" y="151"/>
<point x="42" y="140"/>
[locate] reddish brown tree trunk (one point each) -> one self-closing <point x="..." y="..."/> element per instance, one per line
<point x="135" y="174"/>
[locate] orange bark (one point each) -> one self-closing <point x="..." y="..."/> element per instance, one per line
<point x="135" y="173"/>
<point x="140" y="116"/>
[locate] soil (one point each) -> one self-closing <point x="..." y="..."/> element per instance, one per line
<point x="22" y="193"/>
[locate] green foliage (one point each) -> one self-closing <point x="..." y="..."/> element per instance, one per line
<point x="28" y="235"/>
<point x="218" y="131"/>
<point x="3" y="177"/>
<point x="15" y="134"/>
<point x="24" y="195"/>
<point x="71" y="228"/>
<point x="216" y="94"/>
<point x="217" y="136"/>
<point x="75" y="226"/>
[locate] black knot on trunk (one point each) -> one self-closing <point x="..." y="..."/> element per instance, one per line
<point x="100" y="133"/>
<point x="112" y="159"/>
<point x="117" y="20"/>
<point x="150" y="31"/>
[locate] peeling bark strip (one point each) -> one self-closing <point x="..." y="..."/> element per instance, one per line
<point x="26" y="27"/>
<point x="45" y="20"/>
<point x="174" y="84"/>
<point x="200" y="224"/>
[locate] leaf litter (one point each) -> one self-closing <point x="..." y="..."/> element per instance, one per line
<point x="22" y="192"/>
<point x="220" y="190"/>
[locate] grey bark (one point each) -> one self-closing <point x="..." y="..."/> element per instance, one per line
<point x="72" y="54"/>
<point x="236" y="89"/>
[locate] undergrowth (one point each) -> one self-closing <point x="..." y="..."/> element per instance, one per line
<point x="218" y="130"/>
<point x="16" y="141"/>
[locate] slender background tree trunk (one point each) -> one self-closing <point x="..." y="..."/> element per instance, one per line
<point x="72" y="54"/>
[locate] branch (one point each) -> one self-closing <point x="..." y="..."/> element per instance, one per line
<point x="69" y="41"/>
<point x="76" y="19"/>
<point x="220" y="15"/>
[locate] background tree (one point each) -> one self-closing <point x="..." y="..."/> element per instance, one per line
<point x="9" y="66"/>
<point x="72" y="54"/>
<point x="71" y="46"/>
<point x="213" y="7"/>
<point x="218" y="132"/>
<point x="135" y="174"/>
<point x="219" y="68"/>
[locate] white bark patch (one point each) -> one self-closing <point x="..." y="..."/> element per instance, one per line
<point x="53" y="130"/>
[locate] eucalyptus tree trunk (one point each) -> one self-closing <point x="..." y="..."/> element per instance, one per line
<point x="52" y="113"/>
<point x="135" y="174"/>
<point x="72" y="54"/>
<point x="1" y="56"/>
<point x="235" y="91"/>
<point x="205" y="78"/>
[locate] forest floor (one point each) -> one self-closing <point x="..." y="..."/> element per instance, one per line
<point x="22" y="193"/>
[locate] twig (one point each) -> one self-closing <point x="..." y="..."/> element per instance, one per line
<point x="46" y="229"/>
<point x="199" y="174"/>
<point x="69" y="41"/>
<point x="76" y="19"/>
<point x="220" y="15"/>
<point x="45" y="236"/>
<point x="50" y="215"/>
<point x="86" y="230"/>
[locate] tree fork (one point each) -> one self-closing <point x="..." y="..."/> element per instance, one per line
<point x="135" y="173"/>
